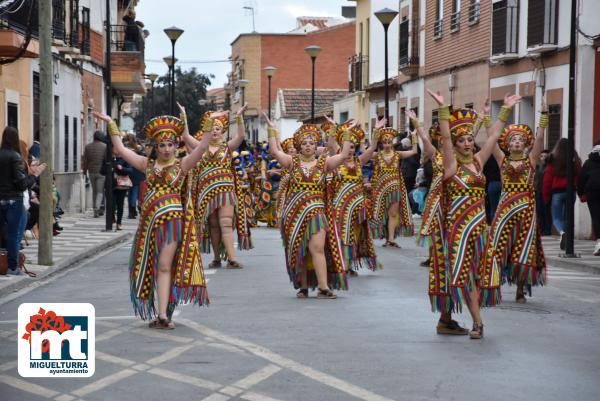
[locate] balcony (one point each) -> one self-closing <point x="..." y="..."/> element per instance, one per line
<point x="505" y="30"/>
<point x="358" y="73"/>
<point x="127" y="62"/>
<point x="11" y="43"/>
<point x="455" y="21"/>
<point x="409" y="66"/>
<point x="542" y="23"/>
<point x="438" y="27"/>
<point x="474" y="13"/>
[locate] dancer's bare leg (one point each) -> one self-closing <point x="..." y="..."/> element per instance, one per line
<point x="226" y="227"/>
<point x="163" y="281"/>
<point x="316" y="247"/>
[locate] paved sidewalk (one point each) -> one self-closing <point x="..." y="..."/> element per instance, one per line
<point x="584" y="249"/>
<point x="82" y="237"/>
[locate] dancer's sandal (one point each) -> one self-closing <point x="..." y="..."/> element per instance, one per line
<point x="302" y="293"/>
<point x="477" y="331"/>
<point x="326" y="294"/>
<point x="215" y="264"/>
<point x="520" y="298"/>
<point x="352" y="273"/>
<point x="232" y="264"/>
<point x="451" y="327"/>
<point x="162" y="324"/>
<point x="391" y="244"/>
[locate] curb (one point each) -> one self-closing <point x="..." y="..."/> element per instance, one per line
<point x="63" y="264"/>
<point x="566" y="263"/>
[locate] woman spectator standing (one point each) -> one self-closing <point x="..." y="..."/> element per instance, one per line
<point x="543" y="209"/>
<point x="137" y="177"/>
<point x="121" y="184"/>
<point x="588" y="188"/>
<point x="13" y="181"/>
<point x="555" y="185"/>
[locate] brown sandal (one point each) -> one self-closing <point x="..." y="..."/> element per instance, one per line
<point x="232" y="264"/>
<point x="451" y="327"/>
<point x="162" y="324"/>
<point x="215" y="264"/>
<point x="477" y="331"/>
<point x="391" y="244"/>
<point x="520" y="298"/>
<point x="326" y="294"/>
<point x="302" y="293"/>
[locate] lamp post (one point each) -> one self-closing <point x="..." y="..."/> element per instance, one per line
<point x="173" y="33"/>
<point x="242" y="84"/>
<point x="313" y="51"/>
<point x="170" y="62"/>
<point x="270" y="70"/>
<point x="386" y="16"/>
<point x="152" y="77"/>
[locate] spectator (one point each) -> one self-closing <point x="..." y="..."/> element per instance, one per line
<point x="588" y="188"/>
<point x="13" y="181"/>
<point x="136" y="176"/>
<point x="542" y="208"/>
<point x="409" y="165"/>
<point x="133" y="37"/>
<point x="93" y="159"/>
<point x="121" y="169"/>
<point x="35" y="150"/>
<point x="554" y="188"/>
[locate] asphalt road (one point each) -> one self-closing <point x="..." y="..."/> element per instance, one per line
<point x="377" y="341"/>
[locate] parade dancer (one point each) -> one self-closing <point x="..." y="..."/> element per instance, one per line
<point x="350" y="206"/>
<point x="391" y="209"/>
<point x="216" y="191"/>
<point x="464" y="207"/>
<point x="431" y="234"/>
<point x="287" y="146"/>
<point x="514" y="245"/>
<point x="165" y="256"/>
<point x="312" y="247"/>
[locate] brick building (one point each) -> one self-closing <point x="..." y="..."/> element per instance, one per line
<point x="252" y="52"/>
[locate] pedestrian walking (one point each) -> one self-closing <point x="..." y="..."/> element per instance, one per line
<point x="588" y="188"/>
<point x="93" y="159"/>
<point x="542" y="208"/>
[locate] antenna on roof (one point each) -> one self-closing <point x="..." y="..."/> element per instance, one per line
<point x="251" y="7"/>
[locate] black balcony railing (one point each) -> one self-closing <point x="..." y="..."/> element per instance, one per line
<point x="127" y="38"/>
<point x="358" y="70"/>
<point x="505" y="28"/>
<point x="408" y="62"/>
<point x="21" y="18"/>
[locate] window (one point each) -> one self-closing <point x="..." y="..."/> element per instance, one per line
<point x="36" y="106"/>
<point x="402" y="120"/>
<point x="66" y="145"/>
<point x="74" y="24"/>
<point x="12" y="114"/>
<point x="85" y="30"/>
<point x="58" y="19"/>
<point x="554" y="117"/>
<point x="403" y="51"/>
<point x="542" y="22"/>
<point x="474" y="12"/>
<point x="455" y="18"/>
<point x="75" y="158"/>
<point x="343" y="116"/>
<point x="439" y="19"/>
<point x="434" y="117"/>
<point x="505" y="27"/>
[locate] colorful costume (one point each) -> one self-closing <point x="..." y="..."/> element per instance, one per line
<point x="387" y="187"/>
<point x="350" y="211"/>
<point x="164" y="219"/>
<point x="432" y="234"/>
<point x="466" y="226"/>
<point x="304" y="213"/>
<point x="214" y="183"/>
<point x="515" y="245"/>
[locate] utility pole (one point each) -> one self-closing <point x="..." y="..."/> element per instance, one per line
<point x="108" y="183"/>
<point x="46" y="133"/>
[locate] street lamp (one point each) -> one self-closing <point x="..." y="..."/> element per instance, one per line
<point x="173" y="33"/>
<point x="270" y="70"/>
<point x="152" y="77"/>
<point x="170" y="62"/>
<point x="313" y="51"/>
<point x="386" y="16"/>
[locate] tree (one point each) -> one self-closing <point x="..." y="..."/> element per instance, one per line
<point x="190" y="87"/>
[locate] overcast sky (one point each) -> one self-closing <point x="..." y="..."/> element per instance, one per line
<point x="211" y="25"/>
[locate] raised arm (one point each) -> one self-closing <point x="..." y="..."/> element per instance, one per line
<point x="488" y="147"/>
<point x="237" y="140"/>
<point x="190" y="161"/>
<point x="334" y="162"/>
<point x="284" y="159"/>
<point x="331" y="142"/>
<point x="370" y="151"/>
<point x="448" y="156"/>
<point x="538" y="144"/>
<point x="428" y="147"/>
<point x="136" y="161"/>
<point x="189" y="140"/>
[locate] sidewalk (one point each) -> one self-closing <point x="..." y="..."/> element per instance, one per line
<point x="583" y="248"/>
<point x="82" y="237"/>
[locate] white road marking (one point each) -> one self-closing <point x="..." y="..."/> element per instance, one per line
<point x="108" y="334"/>
<point x="216" y="397"/>
<point x="250" y="396"/>
<point x="113" y="359"/>
<point x="28" y="387"/>
<point x="64" y="397"/>
<point x="170" y="354"/>
<point x="194" y="381"/>
<point x="8" y="366"/>
<point x="307" y="371"/>
<point x="104" y="382"/>
<point x="257" y="377"/>
<point x="164" y="336"/>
